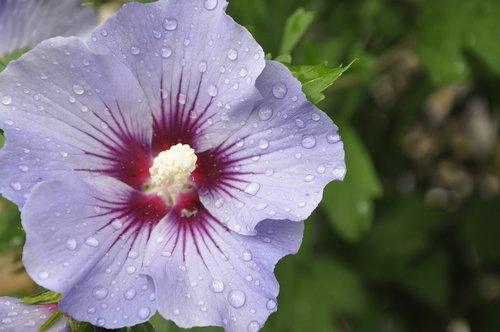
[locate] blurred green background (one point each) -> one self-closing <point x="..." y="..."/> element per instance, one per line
<point x="410" y="241"/>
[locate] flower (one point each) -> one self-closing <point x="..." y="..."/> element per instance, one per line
<point x="16" y="316"/>
<point x="25" y="23"/>
<point x="162" y="165"/>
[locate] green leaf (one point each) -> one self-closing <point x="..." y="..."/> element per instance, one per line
<point x="295" y="27"/>
<point x="77" y="326"/>
<point x="51" y="321"/>
<point x="315" y="79"/>
<point x="48" y="297"/>
<point x="285" y="59"/>
<point x="5" y="59"/>
<point x="145" y="327"/>
<point x="349" y="204"/>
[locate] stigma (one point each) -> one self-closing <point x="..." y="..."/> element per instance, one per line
<point x="171" y="172"/>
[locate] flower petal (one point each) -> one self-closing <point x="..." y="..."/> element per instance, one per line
<point x="63" y="107"/>
<point x="17" y="316"/>
<point x="25" y="23"/>
<point x="86" y="240"/>
<point x="196" y="65"/>
<point x="206" y="274"/>
<point x="277" y="165"/>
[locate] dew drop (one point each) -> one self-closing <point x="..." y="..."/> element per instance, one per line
<point x="280" y="90"/>
<point x="143" y="313"/>
<point x="202" y="66"/>
<point x="182" y="98"/>
<point x="30" y="323"/>
<point x="339" y="172"/>
<point x="92" y="242"/>
<point x="43" y="275"/>
<point x="78" y="89"/>
<point x="6" y="321"/>
<point x="6" y="100"/>
<point x="135" y="50"/>
<point x="332" y="137"/>
<point x="299" y="123"/>
<point x="308" y="141"/>
<point x="116" y="224"/>
<point x="71" y="244"/>
<point x="252" y="188"/>
<point x="265" y="113"/>
<point x="263" y="144"/>
<point x="232" y="54"/>
<point x="321" y="169"/>
<point x="217" y="286"/>
<point x="100" y="321"/>
<point x="130" y="269"/>
<point x="169" y="23"/>
<point x="309" y="178"/>
<point x="166" y="52"/>
<point x="212" y="90"/>
<point x="104" y="33"/>
<point x="247" y="256"/>
<point x="236" y="298"/>
<point x="100" y="292"/>
<point x="17" y="186"/>
<point x="210" y="4"/>
<point x="253" y="326"/>
<point x="315" y="117"/>
<point x="271" y="304"/>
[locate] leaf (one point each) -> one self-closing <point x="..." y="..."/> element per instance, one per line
<point x="349" y="204"/>
<point x="315" y="79"/>
<point x="48" y="297"/>
<point x="51" y="321"/>
<point x="4" y="60"/>
<point x="145" y="327"/>
<point x="77" y="326"/>
<point x="295" y="27"/>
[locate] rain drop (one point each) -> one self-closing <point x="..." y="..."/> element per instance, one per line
<point x="232" y="54"/>
<point x="217" y="286"/>
<point x="100" y="292"/>
<point x="43" y="275"/>
<point x="92" y="242"/>
<point x="339" y="172"/>
<point x="17" y="186"/>
<point x="202" y="66"/>
<point x="236" y="298"/>
<point x="300" y="123"/>
<point x="210" y="4"/>
<point x="332" y="137"/>
<point x="6" y="100"/>
<point x="78" y="89"/>
<point x="253" y="326"/>
<point x="166" y="52"/>
<point x="100" y="321"/>
<point x="280" y="90"/>
<point x="143" y="313"/>
<point x="252" y="188"/>
<point x="315" y="117"/>
<point x="71" y="244"/>
<point x="265" y="113"/>
<point x="116" y="224"/>
<point x="130" y="269"/>
<point x="321" y="169"/>
<point x="212" y="90"/>
<point x="135" y="50"/>
<point x="263" y="144"/>
<point x="271" y="304"/>
<point x="170" y="23"/>
<point x="309" y="178"/>
<point x="247" y="256"/>
<point x="308" y="141"/>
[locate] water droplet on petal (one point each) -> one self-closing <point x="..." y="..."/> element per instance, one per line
<point x="252" y="188"/>
<point x="232" y="54"/>
<point x="30" y="323"/>
<point x="6" y="321"/>
<point x="169" y="23"/>
<point x="247" y="256"/>
<point x="253" y="326"/>
<point x="210" y="4"/>
<point x="182" y="98"/>
<point x="321" y="169"/>
<point x="332" y="137"/>
<point x="116" y="224"/>
<point x="78" y="89"/>
<point x="130" y="269"/>
<point x="71" y="244"/>
<point x="308" y="141"/>
<point x="43" y="275"/>
<point x="339" y="172"/>
<point x="300" y="123"/>
<point x="217" y="286"/>
<point x="6" y="100"/>
<point x="212" y="90"/>
<point x="315" y="117"/>
<point x="100" y="321"/>
<point x="17" y="186"/>
<point x="92" y="242"/>
<point x="165" y="52"/>
<point x="263" y="144"/>
<point x="143" y="313"/>
<point x="100" y="292"/>
<point x="130" y="294"/>
<point x="280" y="90"/>
<point x="309" y="178"/>
<point x="202" y="66"/>
<point x="265" y="113"/>
<point x="135" y="50"/>
<point x="271" y="304"/>
<point x="236" y="298"/>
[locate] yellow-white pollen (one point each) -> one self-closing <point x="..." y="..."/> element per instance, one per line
<point x="171" y="170"/>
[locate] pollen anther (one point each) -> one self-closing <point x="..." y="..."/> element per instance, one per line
<point x="171" y="171"/>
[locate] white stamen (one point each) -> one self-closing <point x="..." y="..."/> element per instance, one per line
<point x="171" y="170"/>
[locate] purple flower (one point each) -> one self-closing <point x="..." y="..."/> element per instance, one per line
<point x="16" y="316"/>
<point x="164" y="165"/>
<point x="25" y="23"/>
